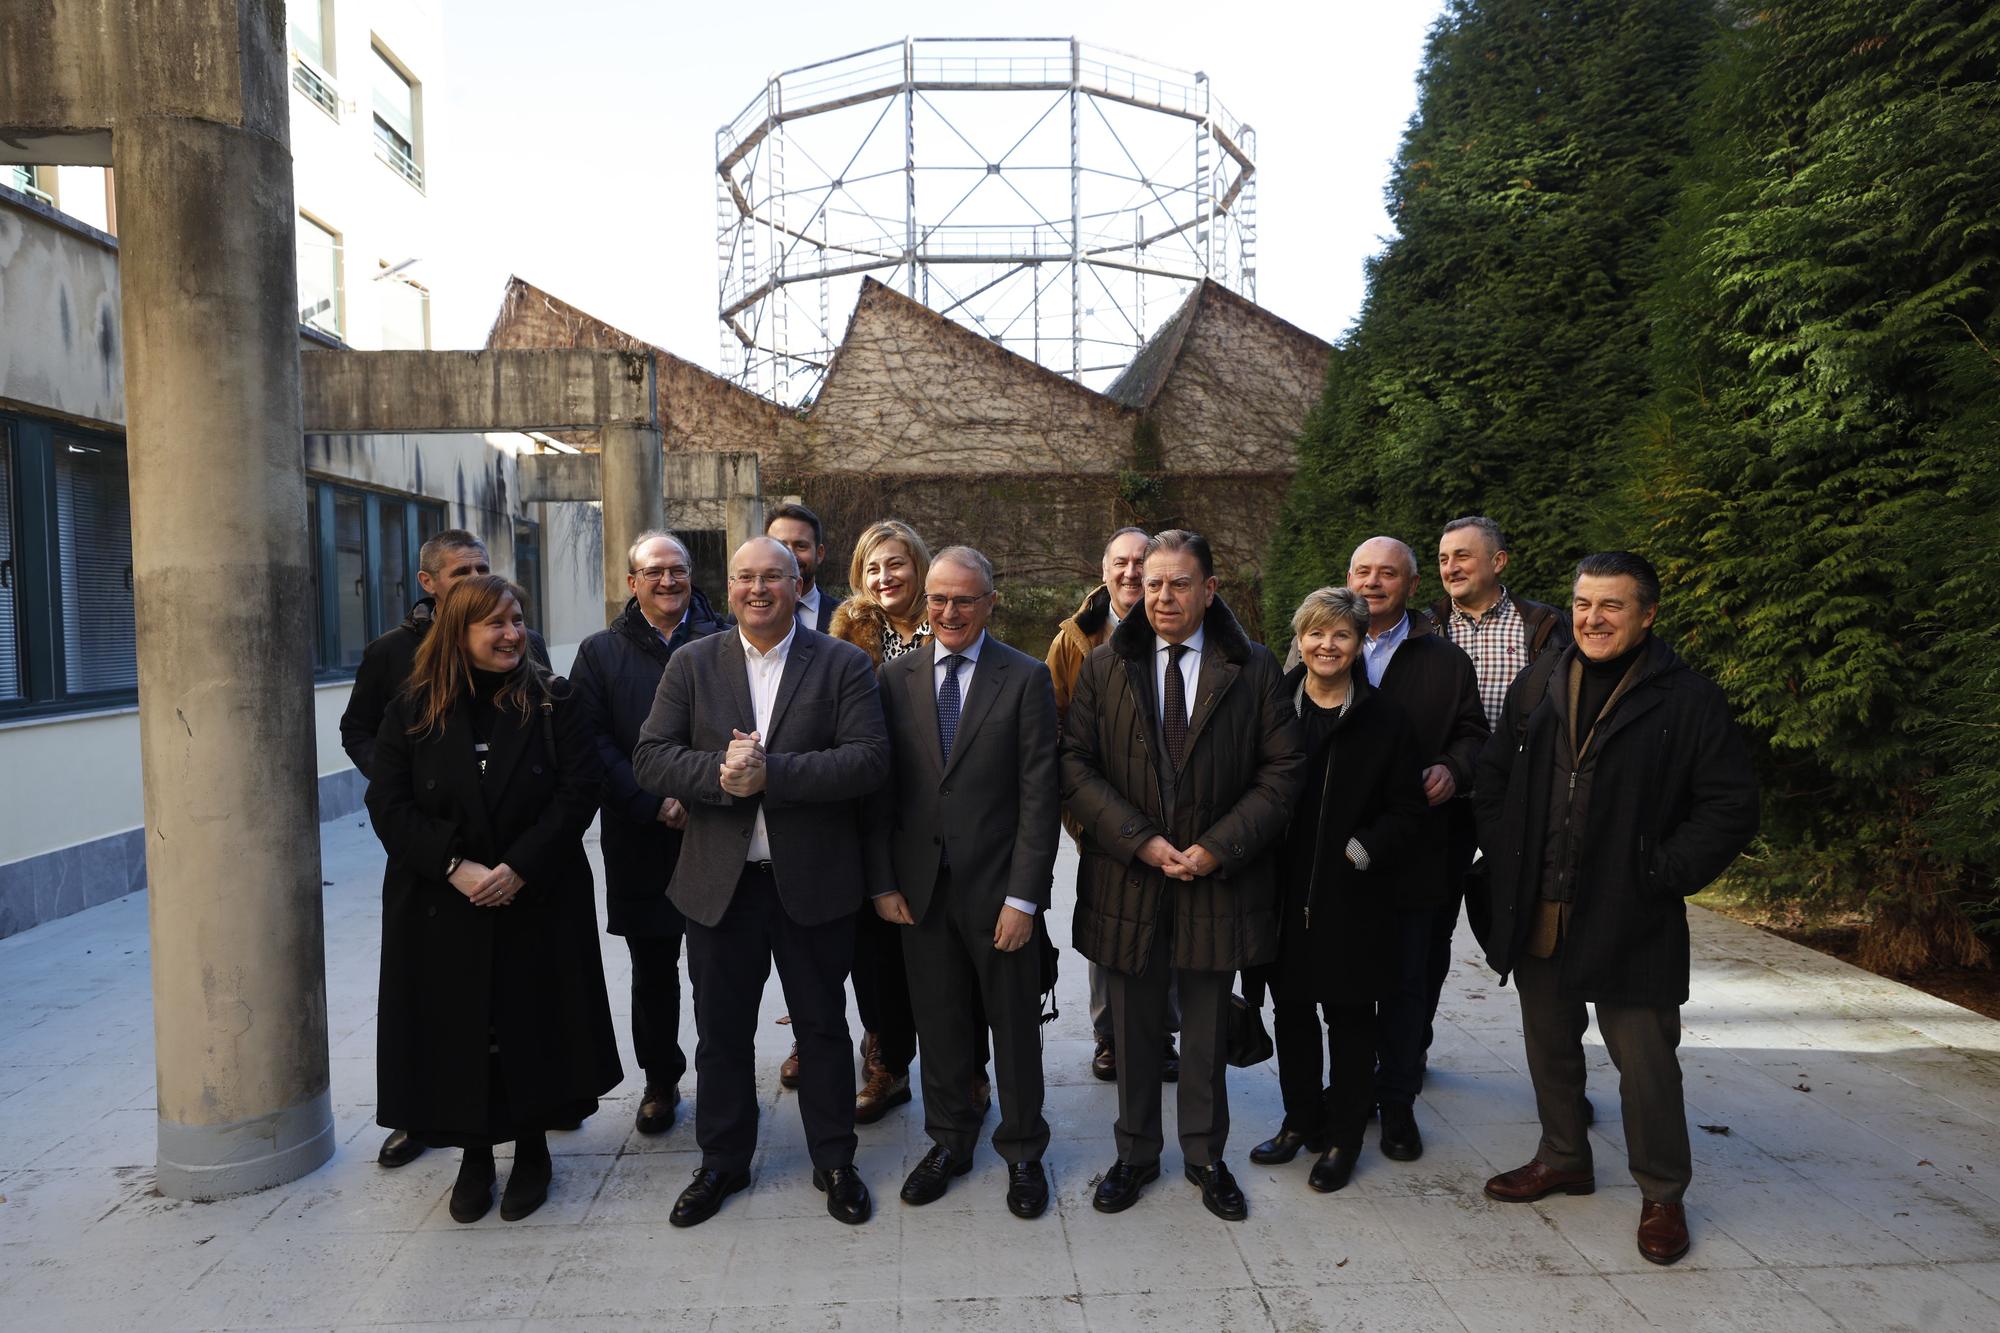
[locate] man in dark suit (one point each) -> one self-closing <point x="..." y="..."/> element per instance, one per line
<point x="442" y="560"/>
<point x="617" y="676"/>
<point x="1437" y="689"/>
<point x="962" y="851"/>
<point x="770" y="736"/>
<point x="798" y="530"/>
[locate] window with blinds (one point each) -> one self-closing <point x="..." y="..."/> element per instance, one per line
<point x="94" y="538"/>
<point x="10" y="574"/>
<point x="364" y="577"/>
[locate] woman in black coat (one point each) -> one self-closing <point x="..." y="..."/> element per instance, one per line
<point x="493" y="1021"/>
<point x="1361" y="812"/>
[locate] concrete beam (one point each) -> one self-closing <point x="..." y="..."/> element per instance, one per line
<point x="389" y="393"/>
<point x="559" y="477"/>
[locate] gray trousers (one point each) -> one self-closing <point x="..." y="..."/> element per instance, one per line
<point x="1139" y="1010"/>
<point x="1642" y="1041"/>
<point x="1100" y="1005"/>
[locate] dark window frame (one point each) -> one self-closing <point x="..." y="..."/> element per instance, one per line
<point x="417" y="509"/>
<point x="37" y="569"/>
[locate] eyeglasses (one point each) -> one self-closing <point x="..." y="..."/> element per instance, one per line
<point x="759" y="580"/>
<point x="938" y="602"/>
<point x="657" y="573"/>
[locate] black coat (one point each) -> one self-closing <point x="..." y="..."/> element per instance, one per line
<point x="1431" y="679"/>
<point x="455" y="976"/>
<point x="1333" y="929"/>
<point x="385" y="665"/>
<point x="1671" y="801"/>
<point x="1236" y="786"/>
<point x="616" y="674"/>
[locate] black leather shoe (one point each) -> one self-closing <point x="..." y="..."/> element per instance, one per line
<point x="1333" y="1170"/>
<point x="1219" y="1193"/>
<point x="399" y="1149"/>
<point x="527" y="1184"/>
<point x="1284" y="1145"/>
<point x="846" y="1196"/>
<point x="1170" y="1064"/>
<point x="657" y="1109"/>
<point x="472" y="1192"/>
<point x="1027" y="1189"/>
<point x="1104" y="1062"/>
<point x="568" y="1126"/>
<point x="704" y="1195"/>
<point x="1120" y="1187"/>
<point x="927" y="1179"/>
<point x="1400" y="1140"/>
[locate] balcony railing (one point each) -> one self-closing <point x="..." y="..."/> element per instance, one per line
<point x="398" y="157"/>
<point x="316" y="84"/>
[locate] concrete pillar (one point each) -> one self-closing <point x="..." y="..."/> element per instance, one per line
<point x="630" y="462"/>
<point x="225" y="634"/>
<point x="743" y="510"/>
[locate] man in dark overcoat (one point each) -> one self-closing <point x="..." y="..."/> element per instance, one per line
<point x="961" y="851"/>
<point x="1435" y="686"/>
<point x="443" y="559"/>
<point x="771" y="737"/>
<point x="616" y="675"/>
<point x="1629" y="789"/>
<point x="1180" y="760"/>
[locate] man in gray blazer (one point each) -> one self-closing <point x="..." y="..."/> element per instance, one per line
<point x="770" y="736"/>
<point x="962" y="855"/>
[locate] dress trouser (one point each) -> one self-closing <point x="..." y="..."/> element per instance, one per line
<point x="656" y="1006"/>
<point x="1402" y="1032"/>
<point x="1338" y="1109"/>
<point x="728" y="964"/>
<point x="882" y="989"/>
<point x="1100" y="1005"/>
<point x="958" y="980"/>
<point x="1139" y="1009"/>
<point x="1643" y="1041"/>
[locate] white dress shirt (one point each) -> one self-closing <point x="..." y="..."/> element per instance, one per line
<point x="765" y="670"/>
<point x="1190" y="668"/>
<point x="965" y="674"/>
<point x="1379" y="648"/>
<point x="808" y="608"/>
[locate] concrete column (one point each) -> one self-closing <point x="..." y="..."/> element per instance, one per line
<point x="743" y="510"/>
<point x="225" y="636"/>
<point x="629" y="466"/>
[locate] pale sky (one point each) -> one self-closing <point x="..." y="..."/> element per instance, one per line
<point x="579" y="136"/>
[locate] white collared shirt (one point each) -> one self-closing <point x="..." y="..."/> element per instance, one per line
<point x="808" y="607"/>
<point x="765" y="670"/>
<point x="1190" y="665"/>
<point x="1379" y="648"/>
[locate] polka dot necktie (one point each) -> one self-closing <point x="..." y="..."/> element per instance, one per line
<point x="1174" y="716"/>
<point x="948" y="699"/>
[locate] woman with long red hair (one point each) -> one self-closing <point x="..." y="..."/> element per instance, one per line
<point x="493" y="1021"/>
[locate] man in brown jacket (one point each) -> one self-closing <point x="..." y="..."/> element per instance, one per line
<point x="1102" y="612"/>
<point x="1181" y="759"/>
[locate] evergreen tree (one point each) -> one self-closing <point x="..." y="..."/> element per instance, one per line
<point x="1821" y="461"/>
<point x="1500" y="350"/>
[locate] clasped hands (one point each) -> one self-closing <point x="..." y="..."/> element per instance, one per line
<point x="743" y="771"/>
<point x="485" y="887"/>
<point x="1175" y="863"/>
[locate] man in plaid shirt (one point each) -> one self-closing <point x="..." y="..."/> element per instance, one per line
<point x="1504" y="634"/>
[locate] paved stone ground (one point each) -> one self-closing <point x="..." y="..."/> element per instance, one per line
<point x="1858" y="1185"/>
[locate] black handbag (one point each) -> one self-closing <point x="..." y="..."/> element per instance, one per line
<point x="1050" y="960"/>
<point x="1247" y="1043"/>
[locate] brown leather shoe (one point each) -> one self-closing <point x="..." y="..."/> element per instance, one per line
<point x="1537" y="1180"/>
<point x="1663" y="1232"/>
<point x="881" y="1087"/>
<point x="788" y="1072"/>
<point x="1104" y="1063"/>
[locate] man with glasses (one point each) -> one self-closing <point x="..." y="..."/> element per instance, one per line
<point x="770" y="737"/>
<point x="616" y="675"/>
<point x="1180" y="759"/>
<point x="961" y="851"/>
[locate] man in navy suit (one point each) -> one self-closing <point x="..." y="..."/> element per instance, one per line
<point x="798" y="530"/>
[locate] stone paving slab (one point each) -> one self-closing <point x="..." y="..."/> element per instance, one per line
<point x="1857" y="1185"/>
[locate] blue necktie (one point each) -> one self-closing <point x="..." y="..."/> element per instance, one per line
<point x="948" y="698"/>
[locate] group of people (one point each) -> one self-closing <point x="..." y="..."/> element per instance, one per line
<point x="875" y="788"/>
